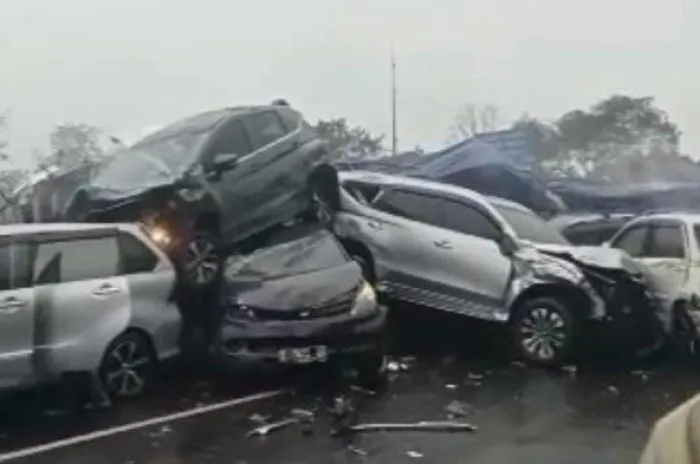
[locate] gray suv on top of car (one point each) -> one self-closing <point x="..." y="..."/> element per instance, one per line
<point x="213" y="180"/>
<point x="453" y="249"/>
<point x="84" y="298"/>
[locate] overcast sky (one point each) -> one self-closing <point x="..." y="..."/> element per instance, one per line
<point x="128" y="64"/>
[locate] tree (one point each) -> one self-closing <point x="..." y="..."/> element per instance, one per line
<point x="353" y="141"/>
<point x="72" y="145"/>
<point x="547" y="148"/>
<point x="620" y="127"/>
<point x="474" y="119"/>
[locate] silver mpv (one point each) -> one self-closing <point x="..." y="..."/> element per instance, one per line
<point x="84" y="298"/>
<point x="452" y="249"/>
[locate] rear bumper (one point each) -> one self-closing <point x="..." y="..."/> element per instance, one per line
<point x="240" y="344"/>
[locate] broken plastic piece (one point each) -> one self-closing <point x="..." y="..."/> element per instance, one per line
<point x="302" y="414"/>
<point x="422" y="426"/>
<point x="264" y="430"/>
<point x="451" y="386"/>
<point x="414" y="454"/>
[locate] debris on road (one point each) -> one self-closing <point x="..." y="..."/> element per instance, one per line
<point x="422" y="426"/>
<point x="570" y="369"/>
<point x="364" y="391"/>
<point x="613" y="389"/>
<point x="414" y="454"/>
<point x="395" y="366"/>
<point x="458" y="409"/>
<point x="303" y="415"/>
<point x="358" y="451"/>
<point x="451" y="386"/>
<point x="264" y="430"/>
<point x="259" y="418"/>
<point x="475" y="377"/>
<point x="161" y="432"/>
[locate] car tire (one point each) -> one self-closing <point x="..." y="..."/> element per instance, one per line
<point x="201" y="261"/>
<point x="127" y="366"/>
<point x="544" y="331"/>
<point x="372" y="369"/>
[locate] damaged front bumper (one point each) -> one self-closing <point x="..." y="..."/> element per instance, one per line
<point x="242" y="343"/>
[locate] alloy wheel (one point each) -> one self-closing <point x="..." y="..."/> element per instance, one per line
<point x="201" y="261"/>
<point x="543" y="333"/>
<point x="125" y="368"/>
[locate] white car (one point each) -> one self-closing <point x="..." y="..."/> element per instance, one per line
<point x="669" y="245"/>
<point x="84" y="298"/>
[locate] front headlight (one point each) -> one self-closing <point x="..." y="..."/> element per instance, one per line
<point x="160" y="235"/>
<point x="365" y="301"/>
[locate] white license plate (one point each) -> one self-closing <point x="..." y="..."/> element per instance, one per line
<point x="306" y="355"/>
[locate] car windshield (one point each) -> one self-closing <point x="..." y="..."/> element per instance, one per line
<point x="151" y="162"/>
<point x="529" y="226"/>
<point x="313" y="252"/>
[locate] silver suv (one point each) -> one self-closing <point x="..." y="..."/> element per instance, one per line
<point x="455" y="250"/>
<point x="84" y="298"/>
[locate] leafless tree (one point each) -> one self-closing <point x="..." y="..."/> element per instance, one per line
<point x="474" y="119"/>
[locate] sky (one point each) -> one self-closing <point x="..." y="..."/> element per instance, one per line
<point x="132" y="64"/>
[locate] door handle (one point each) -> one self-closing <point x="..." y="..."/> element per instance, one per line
<point x="106" y="290"/>
<point x="375" y="225"/>
<point x="11" y="305"/>
<point x="443" y="244"/>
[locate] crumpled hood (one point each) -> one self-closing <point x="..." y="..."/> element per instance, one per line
<point x="600" y="257"/>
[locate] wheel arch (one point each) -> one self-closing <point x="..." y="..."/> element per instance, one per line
<point x="325" y="176"/>
<point x="572" y="296"/>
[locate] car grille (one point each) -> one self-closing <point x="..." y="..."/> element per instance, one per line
<point x="340" y="305"/>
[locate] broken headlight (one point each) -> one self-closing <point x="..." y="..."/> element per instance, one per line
<point x="365" y="301"/>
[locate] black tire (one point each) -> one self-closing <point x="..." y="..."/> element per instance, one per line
<point x="544" y="331"/>
<point x="128" y="366"/>
<point x="371" y="368"/>
<point x="201" y="261"/>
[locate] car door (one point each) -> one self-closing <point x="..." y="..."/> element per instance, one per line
<point x="278" y="167"/>
<point x="233" y="184"/>
<point x="472" y="263"/>
<point x="666" y="252"/>
<point x="405" y="242"/>
<point x="16" y="315"/>
<point x="82" y="303"/>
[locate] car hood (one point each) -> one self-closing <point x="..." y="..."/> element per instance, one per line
<point x="130" y="174"/>
<point x="295" y="292"/>
<point x="600" y="257"/>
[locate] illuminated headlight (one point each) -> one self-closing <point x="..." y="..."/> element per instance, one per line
<point x="159" y="235"/>
<point x="365" y="301"/>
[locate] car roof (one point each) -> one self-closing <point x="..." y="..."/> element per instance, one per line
<point x="406" y="181"/>
<point x="58" y="227"/>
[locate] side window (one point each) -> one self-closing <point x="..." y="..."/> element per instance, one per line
<point x="363" y="192"/>
<point x="461" y="218"/>
<point x="291" y="119"/>
<point x="666" y="242"/>
<point x="264" y="128"/>
<point x="134" y="256"/>
<point x="230" y="139"/>
<point x="632" y="240"/>
<point x="409" y="205"/>
<point x="76" y="260"/>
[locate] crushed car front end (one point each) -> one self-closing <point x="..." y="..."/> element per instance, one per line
<point x="299" y="302"/>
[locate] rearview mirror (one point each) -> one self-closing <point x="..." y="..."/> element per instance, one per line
<point x="507" y="245"/>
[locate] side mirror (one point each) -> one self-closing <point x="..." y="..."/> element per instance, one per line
<point x="507" y="245"/>
<point x="225" y="161"/>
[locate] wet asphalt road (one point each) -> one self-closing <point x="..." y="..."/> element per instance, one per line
<point x="600" y="412"/>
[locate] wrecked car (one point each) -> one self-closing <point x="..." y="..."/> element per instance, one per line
<point x="213" y="181"/>
<point x="590" y="228"/>
<point x="668" y="244"/>
<point x="300" y="300"/>
<point x="78" y="298"/>
<point x="452" y="249"/>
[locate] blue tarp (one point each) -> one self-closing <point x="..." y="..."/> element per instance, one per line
<point x="473" y="164"/>
<point x="581" y="195"/>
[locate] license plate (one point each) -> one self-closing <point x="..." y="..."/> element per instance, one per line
<point x="306" y="355"/>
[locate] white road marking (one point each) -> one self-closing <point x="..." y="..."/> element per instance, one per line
<point x="78" y="439"/>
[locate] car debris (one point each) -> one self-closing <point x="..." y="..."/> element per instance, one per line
<point x="451" y="386"/>
<point x="265" y="430"/>
<point x="362" y="390"/>
<point x="258" y="418"/>
<point x="421" y="426"/>
<point x="304" y="415"/>
<point x="414" y="454"/>
<point x="358" y="451"/>
<point x="457" y="409"/>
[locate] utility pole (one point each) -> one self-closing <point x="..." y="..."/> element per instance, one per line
<point x="394" y="141"/>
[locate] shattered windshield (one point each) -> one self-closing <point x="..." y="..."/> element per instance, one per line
<point x="151" y="162"/>
<point x="310" y="253"/>
<point x="529" y="226"/>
